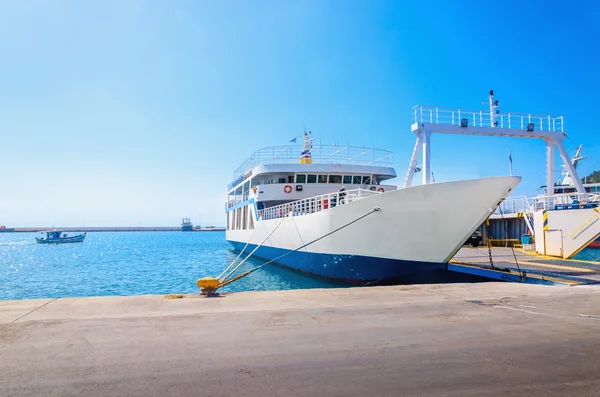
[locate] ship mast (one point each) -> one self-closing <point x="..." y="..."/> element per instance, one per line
<point x="305" y="157"/>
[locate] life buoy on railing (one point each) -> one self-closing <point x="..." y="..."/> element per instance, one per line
<point x="381" y="189"/>
<point x="287" y="189"/>
<point x="254" y="188"/>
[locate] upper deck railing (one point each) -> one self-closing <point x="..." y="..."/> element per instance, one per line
<point x="321" y="154"/>
<point x="481" y="118"/>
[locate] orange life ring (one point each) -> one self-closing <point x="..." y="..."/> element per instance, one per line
<point x="287" y="189"/>
<point x="381" y="189"/>
<point x="254" y="189"/>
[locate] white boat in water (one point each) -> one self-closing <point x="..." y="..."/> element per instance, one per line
<point x="327" y="211"/>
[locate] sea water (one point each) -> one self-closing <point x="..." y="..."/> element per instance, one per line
<point x="130" y="263"/>
<point x="138" y="263"/>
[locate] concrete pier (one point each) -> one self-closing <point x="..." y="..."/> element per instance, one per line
<point x="451" y="340"/>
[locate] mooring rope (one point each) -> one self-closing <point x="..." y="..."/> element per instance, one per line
<point x="254" y="250"/>
<point x="226" y="282"/>
<point x="238" y="257"/>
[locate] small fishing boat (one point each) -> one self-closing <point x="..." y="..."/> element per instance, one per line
<point x="58" y="237"/>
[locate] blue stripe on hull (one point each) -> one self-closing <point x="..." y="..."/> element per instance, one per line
<point x="350" y="268"/>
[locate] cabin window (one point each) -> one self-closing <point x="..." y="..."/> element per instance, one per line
<point x="366" y="180"/>
<point x="322" y="179"/>
<point x="281" y="180"/>
<point x="300" y="178"/>
<point x="290" y="178"/>
<point x="347" y="179"/>
<point x="228" y="221"/>
<point x="356" y="180"/>
<point x="335" y="179"/>
<point x="311" y="179"/>
<point x="245" y="217"/>
<point x="250" y="220"/>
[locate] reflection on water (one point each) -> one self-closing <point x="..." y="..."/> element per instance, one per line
<point x="130" y="263"/>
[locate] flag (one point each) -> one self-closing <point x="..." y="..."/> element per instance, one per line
<point x="293" y="140"/>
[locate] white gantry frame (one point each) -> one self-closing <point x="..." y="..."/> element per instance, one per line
<point x="429" y="120"/>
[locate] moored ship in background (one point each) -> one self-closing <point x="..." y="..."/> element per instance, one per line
<point x="186" y="225"/>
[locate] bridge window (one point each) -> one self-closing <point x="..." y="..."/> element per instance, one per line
<point x="281" y="180"/>
<point x="347" y="179"/>
<point x="322" y="179"/>
<point x="311" y="179"/>
<point x="335" y="179"/>
<point x="366" y="180"/>
<point x="300" y="178"/>
<point x="356" y="180"/>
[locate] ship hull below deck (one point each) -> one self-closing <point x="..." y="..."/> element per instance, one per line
<point x="353" y="269"/>
<point x="400" y="234"/>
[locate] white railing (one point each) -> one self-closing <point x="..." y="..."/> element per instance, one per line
<point x="522" y="204"/>
<point x="565" y="201"/>
<point x="514" y="205"/>
<point x="315" y="204"/>
<point x="321" y="154"/>
<point x="480" y="118"/>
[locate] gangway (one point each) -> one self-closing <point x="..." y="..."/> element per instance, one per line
<point x="569" y="232"/>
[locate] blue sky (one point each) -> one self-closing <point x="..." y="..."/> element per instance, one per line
<point x="137" y="112"/>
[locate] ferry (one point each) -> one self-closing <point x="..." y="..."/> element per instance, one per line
<point x="330" y="211"/>
<point x="567" y="189"/>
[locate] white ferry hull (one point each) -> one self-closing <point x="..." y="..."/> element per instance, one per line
<point x="417" y="230"/>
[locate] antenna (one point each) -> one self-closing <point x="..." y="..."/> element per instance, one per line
<point x="494" y="105"/>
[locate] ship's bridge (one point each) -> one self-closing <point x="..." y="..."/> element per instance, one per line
<point x="276" y="175"/>
<point x="320" y="154"/>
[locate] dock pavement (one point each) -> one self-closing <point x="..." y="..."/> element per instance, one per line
<point x="482" y="339"/>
